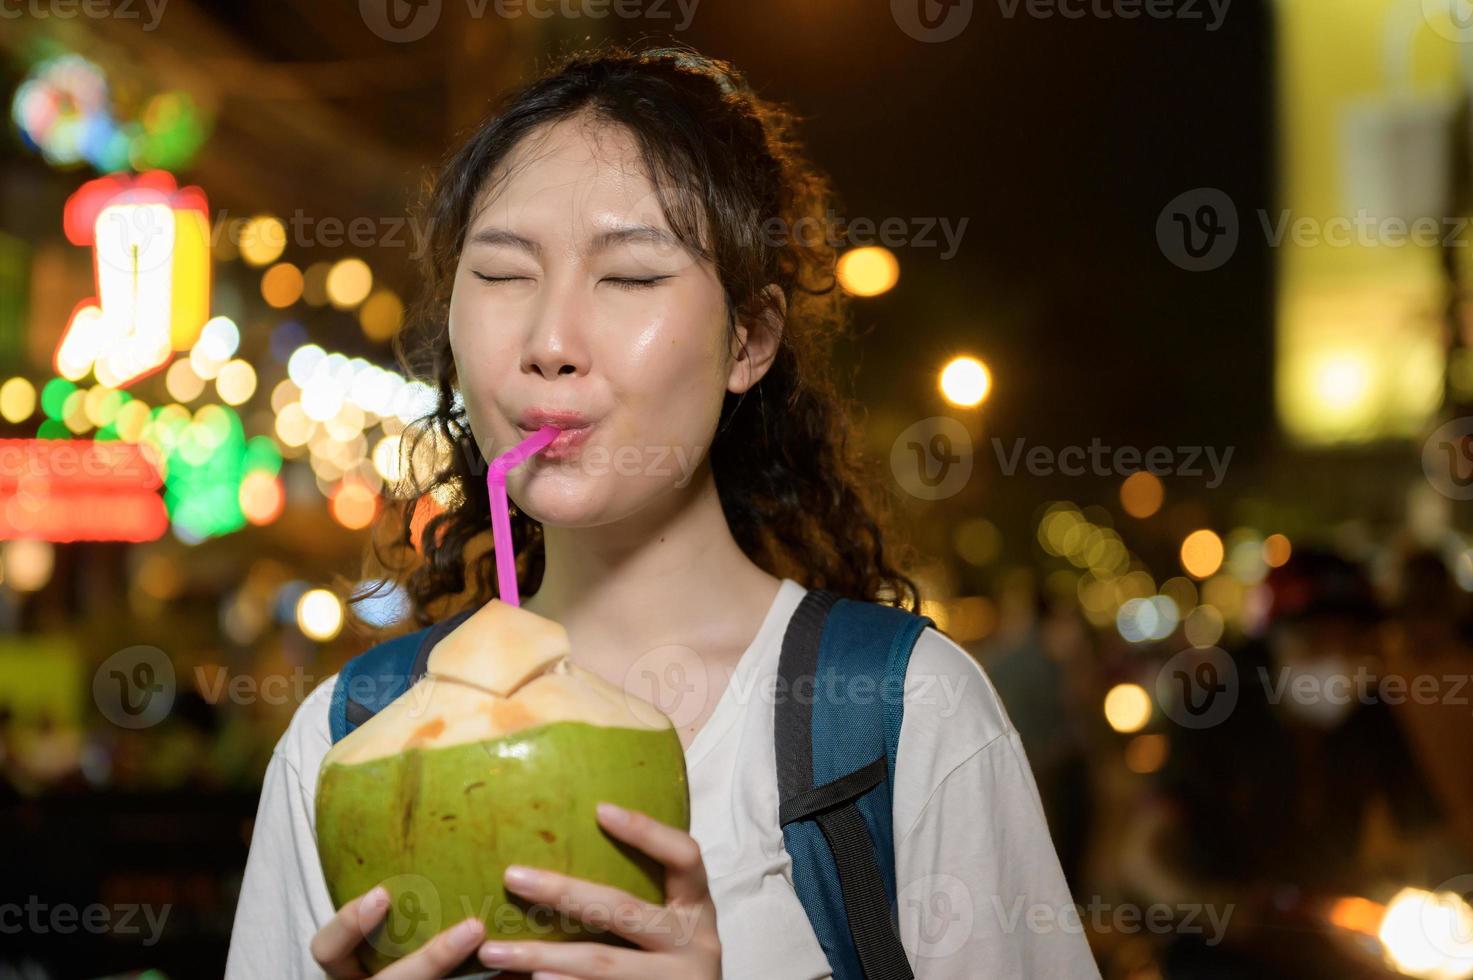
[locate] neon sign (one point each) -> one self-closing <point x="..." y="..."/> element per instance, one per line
<point x="151" y="263"/>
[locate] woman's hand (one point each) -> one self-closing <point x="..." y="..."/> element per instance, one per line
<point x="676" y="940"/>
<point x="336" y="944"/>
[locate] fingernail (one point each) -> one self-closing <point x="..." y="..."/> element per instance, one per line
<point x="520" y="877"/>
<point x="468" y="932"/>
<point x="494" y="953"/>
<point x="377" y="898"/>
<point x="613" y="814"/>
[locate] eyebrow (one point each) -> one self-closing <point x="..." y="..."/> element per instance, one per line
<point x="632" y="234"/>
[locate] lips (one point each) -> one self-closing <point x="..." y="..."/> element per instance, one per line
<point x="576" y="428"/>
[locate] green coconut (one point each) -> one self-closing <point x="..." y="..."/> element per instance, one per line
<point x="497" y="756"/>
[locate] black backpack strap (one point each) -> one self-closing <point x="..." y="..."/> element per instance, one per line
<point x="835" y="863"/>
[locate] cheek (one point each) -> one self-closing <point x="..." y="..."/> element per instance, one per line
<point x="671" y="381"/>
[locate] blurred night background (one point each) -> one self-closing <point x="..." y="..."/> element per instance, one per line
<point x="1162" y="323"/>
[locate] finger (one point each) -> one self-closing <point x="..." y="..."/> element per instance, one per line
<point x="677" y="850"/>
<point x="549" y="975"/>
<point x="440" y="955"/>
<point x="333" y="945"/>
<point x="568" y="958"/>
<point x="596" y="905"/>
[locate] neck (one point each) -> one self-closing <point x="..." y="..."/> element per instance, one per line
<point x="670" y="573"/>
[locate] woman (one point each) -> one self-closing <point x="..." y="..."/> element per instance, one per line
<point x="628" y="250"/>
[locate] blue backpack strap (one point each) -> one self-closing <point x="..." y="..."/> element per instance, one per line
<point x="836" y="765"/>
<point x="378" y="675"/>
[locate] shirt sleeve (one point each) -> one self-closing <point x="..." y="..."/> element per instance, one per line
<point x="283" y="895"/>
<point x="977" y="876"/>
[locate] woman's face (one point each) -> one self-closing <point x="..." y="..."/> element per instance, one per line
<point x="574" y="303"/>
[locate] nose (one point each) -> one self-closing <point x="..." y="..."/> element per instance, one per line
<point x="555" y="344"/>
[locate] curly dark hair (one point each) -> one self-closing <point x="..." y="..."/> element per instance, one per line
<point x="730" y="177"/>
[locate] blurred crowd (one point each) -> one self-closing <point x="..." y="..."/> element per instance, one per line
<point x="1296" y="802"/>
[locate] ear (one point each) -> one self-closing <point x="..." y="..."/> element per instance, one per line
<point x="756" y="343"/>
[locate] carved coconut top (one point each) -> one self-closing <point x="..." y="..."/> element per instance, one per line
<point x="502" y="670"/>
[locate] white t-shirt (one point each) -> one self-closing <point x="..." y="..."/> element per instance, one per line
<point x="980" y="889"/>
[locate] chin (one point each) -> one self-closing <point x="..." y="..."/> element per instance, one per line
<point x="564" y="499"/>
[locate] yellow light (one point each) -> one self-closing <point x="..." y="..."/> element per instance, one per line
<point x="28" y="564"/>
<point x="261" y="497"/>
<point x="965" y="382"/>
<point x="354" y="506"/>
<point x="386" y="458"/>
<point x="381" y="315"/>
<point x="236" y="382"/>
<point x="348" y="283"/>
<point x="17" y="400"/>
<point x="293" y="427"/>
<point x="284" y="394"/>
<point x="262" y="240"/>
<point x="1141" y="494"/>
<point x="1144" y="754"/>
<point x="74" y="412"/>
<point x="319" y="614"/>
<point x="1428" y="935"/>
<point x="1341" y="382"/>
<point x="1127" y="708"/>
<point x="131" y="420"/>
<point x="868" y="271"/>
<point x="181" y="381"/>
<point x="1276" y="550"/>
<point x="191" y="273"/>
<point x="281" y="285"/>
<point x="1201" y="553"/>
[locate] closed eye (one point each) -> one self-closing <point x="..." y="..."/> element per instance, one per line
<point x="628" y="283"/>
<point x="495" y="279"/>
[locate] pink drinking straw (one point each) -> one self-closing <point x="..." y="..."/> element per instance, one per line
<point x="506" y="559"/>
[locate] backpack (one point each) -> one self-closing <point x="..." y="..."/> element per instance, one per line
<point x="838" y="709"/>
